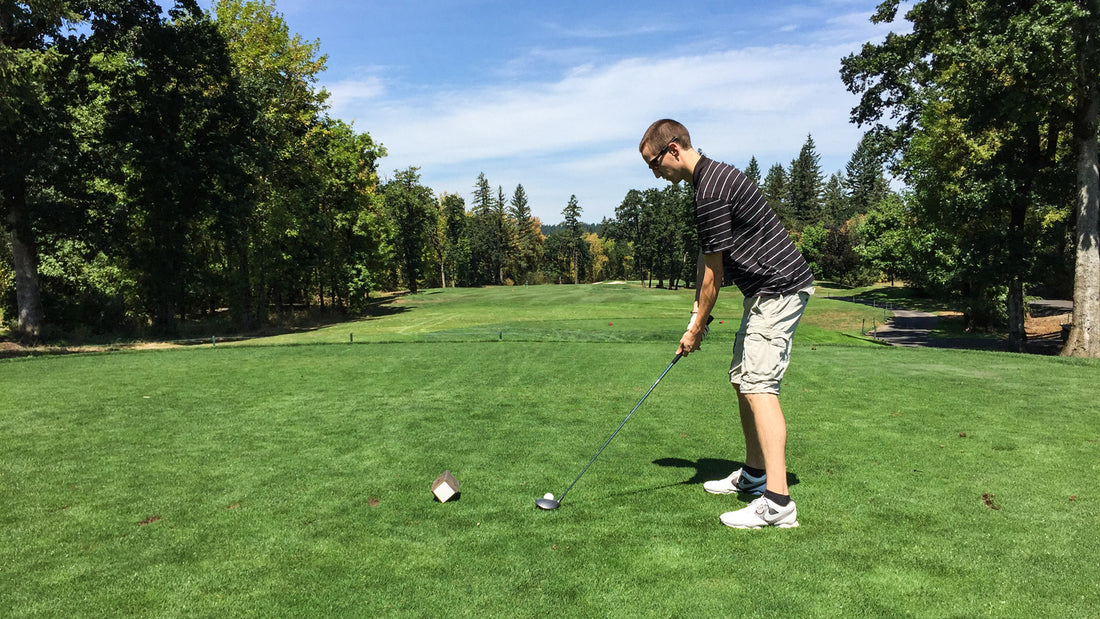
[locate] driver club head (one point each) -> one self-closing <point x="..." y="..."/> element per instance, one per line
<point x="547" y="503"/>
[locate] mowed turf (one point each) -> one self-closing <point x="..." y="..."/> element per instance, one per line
<point x="295" y="480"/>
<point x="591" y="313"/>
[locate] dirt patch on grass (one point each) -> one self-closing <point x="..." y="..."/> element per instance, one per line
<point x="1039" y="326"/>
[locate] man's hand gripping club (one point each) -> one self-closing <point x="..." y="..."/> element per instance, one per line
<point x="709" y="278"/>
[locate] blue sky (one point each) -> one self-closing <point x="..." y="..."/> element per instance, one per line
<point x="556" y="95"/>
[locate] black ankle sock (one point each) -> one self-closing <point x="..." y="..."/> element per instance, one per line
<point x="752" y="472"/>
<point x="781" y="500"/>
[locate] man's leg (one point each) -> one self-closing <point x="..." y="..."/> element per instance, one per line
<point x="775" y="507"/>
<point x="758" y="370"/>
<point x="767" y="449"/>
<point x="754" y="456"/>
<point x="750" y="478"/>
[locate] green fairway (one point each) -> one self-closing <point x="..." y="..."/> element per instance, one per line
<point x="589" y="313"/>
<point x="294" y="480"/>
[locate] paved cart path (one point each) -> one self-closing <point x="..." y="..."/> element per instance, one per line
<point x="914" y="328"/>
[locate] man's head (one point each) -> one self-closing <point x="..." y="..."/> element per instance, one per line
<point x="666" y="149"/>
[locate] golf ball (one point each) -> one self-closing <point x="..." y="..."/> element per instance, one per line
<point x="548" y="496"/>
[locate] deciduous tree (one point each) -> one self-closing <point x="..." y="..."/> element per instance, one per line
<point x="34" y="125"/>
<point x="411" y="207"/>
<point x="979" y="98"/>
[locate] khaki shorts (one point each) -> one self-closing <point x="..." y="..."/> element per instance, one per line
<point x="762" y="349"/>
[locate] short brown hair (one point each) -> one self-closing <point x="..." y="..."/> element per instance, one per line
<point x="662" y="132"/>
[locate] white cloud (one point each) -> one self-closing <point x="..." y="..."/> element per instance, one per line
<point x="347" y="95"/>
<point x="578" y="134"/>
<point x="602" y="32"/>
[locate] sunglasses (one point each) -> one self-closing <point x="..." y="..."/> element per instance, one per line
<point x="656" y="161"/>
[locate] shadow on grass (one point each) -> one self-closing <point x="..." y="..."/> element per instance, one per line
<point x="199" y="332"/>
<point x="904" y="297"/>
<point x="707" y="469"/>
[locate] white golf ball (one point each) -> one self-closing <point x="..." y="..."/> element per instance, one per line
<point x="549" y="496"/>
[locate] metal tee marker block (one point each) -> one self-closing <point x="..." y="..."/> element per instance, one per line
<point x="445" y="487"/>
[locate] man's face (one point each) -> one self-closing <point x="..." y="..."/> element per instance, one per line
<point x="657" y="164"/>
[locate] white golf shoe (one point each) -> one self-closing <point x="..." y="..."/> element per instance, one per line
<point x="761" y="513"/>
<point x="736" y="482"/>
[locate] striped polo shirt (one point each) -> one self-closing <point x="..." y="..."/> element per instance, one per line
<point x="733" y="217"/>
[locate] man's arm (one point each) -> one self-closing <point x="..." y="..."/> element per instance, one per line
<point x="708" y="282"/>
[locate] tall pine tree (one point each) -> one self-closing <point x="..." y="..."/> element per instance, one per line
<point x="865" y="181"/>
<point x="775" y="191"/>
<point x="572" y="222"/>
<point x="483" y="238"/>
<point x="528" y="236"/>
<point x="805" y="185"/>
<point x="753" y="171"/>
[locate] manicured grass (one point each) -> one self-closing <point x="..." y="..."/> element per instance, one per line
<point x="295" y="480"/>
<point x="590" y="313"/>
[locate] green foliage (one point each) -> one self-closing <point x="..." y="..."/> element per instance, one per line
<point x="664" y="241"/>
<point x="885" y="240"/>
<point x="7" y="284"/>
<point x="190" y="154"/>
<point x="485" y="238"/>
<point x="811" y="243"/>
<point x="625" y="229"/>
<point x="753" y="171"/>
<point x="804" y="186"/>
<point x="980" y="98"/>
<point x="172" y="108"/>
<point x="864" y="180"/>
<point x="170" y="165"/>
<point x="831" y="253"/>
<point x="37" y="146"/>
<point x="836" y="206"/>
<point x="571" y="218"/>
<point x="528" y="241"/>
<point x="456" y="252"/>
<point x="777" y="195"/>
<point x="411" y="208"/>
<point x="86" y="288"/>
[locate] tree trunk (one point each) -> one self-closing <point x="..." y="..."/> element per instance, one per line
<point x="1018" y="251"/>
<point x="1016" y="314"/>
<point x="25" y="260"/>
<point x="1084" y="336"/>
<point x="1084" y="339"/>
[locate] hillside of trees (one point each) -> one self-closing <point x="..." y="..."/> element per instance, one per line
<point x="159" y="168"/>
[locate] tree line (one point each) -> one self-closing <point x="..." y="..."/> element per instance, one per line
<point x="651" y="237"/>
<point x="988" y="111"/>
<point x="157" y="167"/>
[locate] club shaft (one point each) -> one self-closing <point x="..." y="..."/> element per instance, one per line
<point x="627" y="418"/>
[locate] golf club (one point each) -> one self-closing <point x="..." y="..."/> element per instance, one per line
<point x="548" y="503"/>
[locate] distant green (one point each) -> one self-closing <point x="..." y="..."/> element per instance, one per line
<point x="294" y="480"/>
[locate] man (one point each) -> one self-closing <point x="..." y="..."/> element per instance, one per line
<point x="739" y="234"/>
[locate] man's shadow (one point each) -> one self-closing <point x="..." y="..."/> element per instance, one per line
<point x="707" y="469"/>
